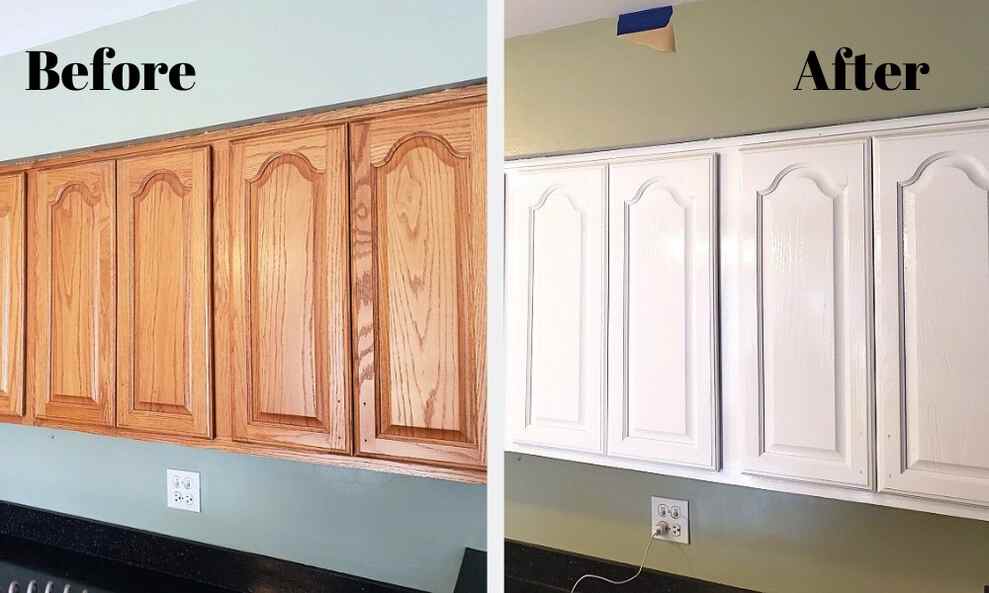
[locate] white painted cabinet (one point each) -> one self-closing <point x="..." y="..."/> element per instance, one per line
<point x="803" y="311"/>
<point x="932" y="313"/>
<point x="556" y="305"/>
<point x="804" y="318"/>
<point x="663" y="365"/>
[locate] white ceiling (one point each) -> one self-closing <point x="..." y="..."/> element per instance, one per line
<point x="523" y="17"/>
<point x="37" y="22"/>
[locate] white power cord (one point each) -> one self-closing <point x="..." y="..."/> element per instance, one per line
<point x="629" y="579"/>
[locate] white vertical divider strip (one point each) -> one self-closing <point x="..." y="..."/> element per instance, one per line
<point x="495" y="350"/>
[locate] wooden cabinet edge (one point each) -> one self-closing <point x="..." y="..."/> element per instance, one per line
<point x="228" y="445"/>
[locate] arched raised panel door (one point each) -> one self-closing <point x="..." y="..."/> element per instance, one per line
<point x="418" y="245"/>
<point x="12" y="285"/>
<point x="663" y="366"/>
<point x="163" y="305"/>
<point x="555" y="301"/>
<point x="932" y="308"/>
<point x="285" y="329"/>
<point x="72" y="288"/>
<point x="805" y="280"/>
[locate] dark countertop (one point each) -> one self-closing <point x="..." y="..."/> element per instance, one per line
<point x="536" y="569"/>
<point x="107" y="557"/>
<point x="24" y="560"/>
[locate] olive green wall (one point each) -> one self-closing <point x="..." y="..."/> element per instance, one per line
<point x="580" y="87"/>
<point x="766" y="541"/>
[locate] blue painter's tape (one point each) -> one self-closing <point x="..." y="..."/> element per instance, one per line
<point x="644" y="20"/>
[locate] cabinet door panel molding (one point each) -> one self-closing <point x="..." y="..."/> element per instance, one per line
<point x="663" y="395"/>
<point x="932" y="305"/>
<point x="72" y="282"/>
<point x="288" y="211"/>
<point x="810" y="411"/>
<point x="163" y="305"/>
<point x="417" y="239"/>
<point x="556" y="308"/>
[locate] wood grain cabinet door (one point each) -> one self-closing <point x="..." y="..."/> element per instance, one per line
<point x="418" y="246"/>
<point x="12" y="285"/>
<point x="72" y="288"/>
<point x="932" y="313"/>
<point x="556" y="305"/>
<point x="283" y="346"/>
<point x="663" y="363"/>
<point x="163" y="304"/>
<point x="805" y="320"/>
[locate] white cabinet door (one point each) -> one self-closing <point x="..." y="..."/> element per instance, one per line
<point x="556" y="305"/>
<point x="663" y="396"/>
<point x="804" y="319"/>
<point x="932" y="313"/>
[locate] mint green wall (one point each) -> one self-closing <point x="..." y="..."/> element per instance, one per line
<point x="578" y="88"/>
<point x="253" y="58"/>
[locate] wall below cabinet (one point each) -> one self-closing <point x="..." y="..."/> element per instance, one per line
<point x="771" y="542"/>
<point x="312" y="288"/>
<point x="851" y="306"/>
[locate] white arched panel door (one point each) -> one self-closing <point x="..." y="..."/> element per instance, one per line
<point x="663" y="366"/>
<point x="804" y="321"/>
<point x="555" y="299"/>
<point x="932" y="310"/>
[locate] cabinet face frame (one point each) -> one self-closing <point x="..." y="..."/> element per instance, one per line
<point x="73" y="241"/>
<point x="13" y="237"/>
<point x="775" y="181"/>
<point x="269" y="176"/>
<point x="171" y="193"/>
<point x="560" y="213"/>
<point x="664" y="214"/>
<point x="918" y="456"/>
<point x="448" y="145"/>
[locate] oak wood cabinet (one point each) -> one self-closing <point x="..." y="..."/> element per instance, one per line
<point x="72" y="291"/>
<point x="163" y="293"/>
<point x="311" y="288"/>
<point x="807" y="372"/>
<point x="418" y="275"/>
<point x="12" y="289"/>
<point x="283" y="235"/>
<point x="932" y="313"/>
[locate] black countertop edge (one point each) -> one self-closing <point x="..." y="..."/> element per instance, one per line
<point x="536" y="569"/>
<point x="202" y="563"/>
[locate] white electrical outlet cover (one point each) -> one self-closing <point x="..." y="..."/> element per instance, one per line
<point x="674" y="514"/>
<point x="182" y="490"/>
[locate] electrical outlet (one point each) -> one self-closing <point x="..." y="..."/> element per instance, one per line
<point x="182" y="490"/>
<point x="670" y="519"/>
